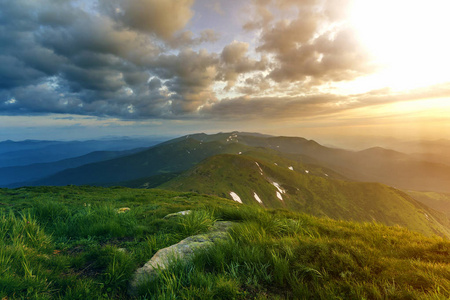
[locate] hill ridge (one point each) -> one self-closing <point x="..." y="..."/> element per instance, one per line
<point x="306" y="188"/>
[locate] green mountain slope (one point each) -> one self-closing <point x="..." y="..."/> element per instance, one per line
<point x="437" y="201"/>
<point x="372" y="165"/>
<point x="375" y="164"/>
<point x="276" y="182"/>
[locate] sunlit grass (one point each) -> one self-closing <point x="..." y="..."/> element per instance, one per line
<point x="72" y="243"/>
<point x="325" y="260"/>
<point x="195" y="222"/>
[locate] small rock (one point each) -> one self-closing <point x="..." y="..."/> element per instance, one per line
<point x="177" y="214"/>
<point x="184" y="250"/>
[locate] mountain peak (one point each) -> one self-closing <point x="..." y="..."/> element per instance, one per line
<point x="381" y="151"/>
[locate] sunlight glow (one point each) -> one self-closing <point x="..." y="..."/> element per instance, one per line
<point x="434" y="106"/>
<point x="408" y="38"/>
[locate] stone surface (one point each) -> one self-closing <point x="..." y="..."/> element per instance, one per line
<point x="184" y="250"/>
<point x="177" y="214"/>
<point x="123" y="210"/>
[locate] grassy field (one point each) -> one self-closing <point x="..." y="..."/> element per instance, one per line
<point x="72" y="243"/>
<point x="309" y="189"/>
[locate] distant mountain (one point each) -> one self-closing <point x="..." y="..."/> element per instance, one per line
<point x="375" y="164"/>
<point x="168" y="157"/>
<point x="11" y="146"/>
<point x="372" y="165"/>
<point x="437" y="151"/>
<point x="274" y="182"/>
<point x="279" y="172"/>
<point x="32" y="151"/>
<point x="423" y="146"/>
<point x="16" y="176"/>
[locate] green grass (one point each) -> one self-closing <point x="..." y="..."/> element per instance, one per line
<point x="308" y="258"/>
<point x="312" y="193"/>
<point x="71" y="243"/>
<point x="196" y="221"/>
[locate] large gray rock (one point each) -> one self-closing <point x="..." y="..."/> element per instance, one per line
<point x="184" y="250"/>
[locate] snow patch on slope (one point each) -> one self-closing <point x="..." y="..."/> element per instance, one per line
<point x="235" y="197"/>
<point x="257" y="197"/>
<point x="279" y="196"/>
<point x="279" y="188"/>
<point x="260" y="170"/>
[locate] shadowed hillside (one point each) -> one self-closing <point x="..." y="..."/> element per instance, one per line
<point x="35" y="151"/>
<point x="13" y="176"/>
<point x="164" y="158"/>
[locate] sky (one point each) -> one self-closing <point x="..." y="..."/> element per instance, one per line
<point x="323" y="69"/>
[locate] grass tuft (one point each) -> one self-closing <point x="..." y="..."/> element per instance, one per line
<point x="196" y="222"/>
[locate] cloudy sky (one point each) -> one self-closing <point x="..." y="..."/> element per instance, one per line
<point x="71" y="69"/>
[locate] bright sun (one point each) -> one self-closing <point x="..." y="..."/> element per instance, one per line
<point x="408" y="38"/>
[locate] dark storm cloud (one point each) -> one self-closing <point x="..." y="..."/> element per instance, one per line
<point x="95" y="34"/>
<point x="38" y="99"/>
<point x="59" y="57"/>
<point x="14" y="72"/>
<point x="22" y="60"/>
<point x="162" y="18"/>
<point x="190" y="76"/>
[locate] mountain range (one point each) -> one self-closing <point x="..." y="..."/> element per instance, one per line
<point x="22" y="153"/>
<point x="274" y="172"/>
<point x="14" y="174"/>
<point x="404" y="171"/>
